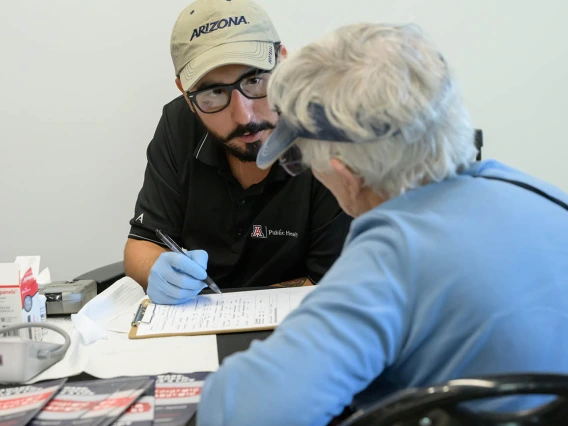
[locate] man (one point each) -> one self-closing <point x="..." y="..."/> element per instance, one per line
<point x="452" y="268"/>
<point x="242" y="225"/>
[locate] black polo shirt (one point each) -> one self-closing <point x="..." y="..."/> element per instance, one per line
<point x="279" y="229"/>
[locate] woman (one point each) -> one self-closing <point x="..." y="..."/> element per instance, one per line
<point x="446" y="273"/>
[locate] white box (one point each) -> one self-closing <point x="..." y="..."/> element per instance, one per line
<point x="19" y="300"/>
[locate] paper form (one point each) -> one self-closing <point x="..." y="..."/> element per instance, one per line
<point x="117" y="355"/>
<point x="260" y="309"/>
<point x="115" y="302"/>
<point x="121" y="356"/>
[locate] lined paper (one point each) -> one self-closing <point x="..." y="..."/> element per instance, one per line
<point x="249" y="310"/>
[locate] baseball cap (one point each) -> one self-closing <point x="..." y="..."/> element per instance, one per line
<point x="286" y="134"/>
<point x="212" y="33"/>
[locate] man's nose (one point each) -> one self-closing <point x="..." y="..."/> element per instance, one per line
<point x="241" y="108"/>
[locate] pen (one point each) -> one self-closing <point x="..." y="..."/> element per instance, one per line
<point x="174" y="247"/>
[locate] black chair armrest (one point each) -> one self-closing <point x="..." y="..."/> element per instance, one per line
<point x="478" y="142"/>
<point x="104" y="276"/>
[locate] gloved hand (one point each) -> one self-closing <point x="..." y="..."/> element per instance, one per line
<point x="176" y="278"/>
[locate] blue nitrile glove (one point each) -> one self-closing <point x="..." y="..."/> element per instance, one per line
<point x="176" y="278"/>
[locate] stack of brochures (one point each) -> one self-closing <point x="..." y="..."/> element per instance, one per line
<point x="167" y="399"/>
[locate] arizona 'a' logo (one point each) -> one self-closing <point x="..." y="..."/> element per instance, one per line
<point x="257" y="232"/>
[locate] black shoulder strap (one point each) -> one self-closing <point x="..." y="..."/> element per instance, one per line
<point x="530" y="188"/>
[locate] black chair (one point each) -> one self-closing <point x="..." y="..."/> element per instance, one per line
<point x="478" y="142"/>
<point x="439" y="405"/>
<point x="104" y="276"/>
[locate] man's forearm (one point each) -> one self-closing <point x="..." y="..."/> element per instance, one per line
<point x="139" y="257"/>
<point x="298" y="282"/>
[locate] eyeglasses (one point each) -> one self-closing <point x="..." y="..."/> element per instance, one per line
<point x="291" y="161"/>
<point x="252" y="86"/>
<point x="218" y="98"/>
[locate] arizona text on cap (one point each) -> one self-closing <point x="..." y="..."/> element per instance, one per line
<point x="212" y="33"/>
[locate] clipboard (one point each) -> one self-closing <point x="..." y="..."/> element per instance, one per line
<point x="141" y="317"/>
<point x="137" y="319"/>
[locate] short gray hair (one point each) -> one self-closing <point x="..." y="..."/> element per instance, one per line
<point x="366" y="75"/>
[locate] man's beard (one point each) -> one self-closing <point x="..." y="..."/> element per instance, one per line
<point x="249" y="152"/>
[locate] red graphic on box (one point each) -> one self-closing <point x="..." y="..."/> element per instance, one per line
<point x="28" y="285"/>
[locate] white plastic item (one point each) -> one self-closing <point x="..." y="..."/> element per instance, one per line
<point x="43" y="312"/>
<point x="23" y="359"/>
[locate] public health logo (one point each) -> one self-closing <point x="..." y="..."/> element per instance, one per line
<point x="258" y="232"/>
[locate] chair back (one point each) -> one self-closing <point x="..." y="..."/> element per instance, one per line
<point x="439" y="405"/>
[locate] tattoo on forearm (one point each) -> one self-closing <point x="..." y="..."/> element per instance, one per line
<point x="298" y="282"/>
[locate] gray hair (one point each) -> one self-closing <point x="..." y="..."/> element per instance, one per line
<point x="369" y="75"/>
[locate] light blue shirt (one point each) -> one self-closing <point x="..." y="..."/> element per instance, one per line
<point x="460" y="278"/>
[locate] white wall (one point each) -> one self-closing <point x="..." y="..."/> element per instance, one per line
<point x="82" y="85"/>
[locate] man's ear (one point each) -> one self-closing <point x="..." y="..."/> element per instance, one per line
<point x="180" y="87"/>
<point x="353" y="183"/>
<point x="283" y="51"/>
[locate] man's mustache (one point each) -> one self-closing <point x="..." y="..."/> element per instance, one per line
<point x="241" y="130"/>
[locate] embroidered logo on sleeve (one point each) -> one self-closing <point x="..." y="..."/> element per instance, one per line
<point x="140" y="218"/>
